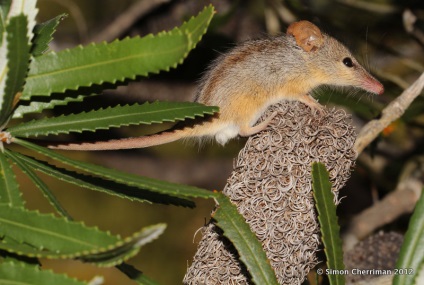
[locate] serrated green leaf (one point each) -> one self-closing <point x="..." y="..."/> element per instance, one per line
<point x="39" y="183"/>
<point x="46" y="231"/>
<point x="14" y="273"/>
<point x="44" y="35"/>
<point x="113" y="62"/>
<point x="103" y="62"/>
<point x="411" y="255"/>
<point x="9" y="187"/>
<point x="245" y="241"/>
<point x="29" y="10"/>
<point x="327" y="217"/>
<point x="105" y="186"/>
<point x="135" y="274"/>
<point x="117" y="116"/>
<point x="129" y="248"/>
<point x="106" y="256"/>
<point x="17" y="64"/>
<point x="38" y="107"/>
<point x="66" y="241"/>
<point x="153" y="185"/>
<point x="196" y="27"/>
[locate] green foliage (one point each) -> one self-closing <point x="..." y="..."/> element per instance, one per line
<point x="327" y="217"/>
<point x="117" y="116"/>
<point x="154" y="185"/>
<point x="24" y="274"/>
<point x="30" y="82"/>
<point x="114" y="62"/>
<point x="9" y="188"/>
<point x="17" y="65"/>
<point x="37" y="106"/>
<point x="411" y="255"/>
<point x="249" y="248"/>
<point x="43" y="35"/>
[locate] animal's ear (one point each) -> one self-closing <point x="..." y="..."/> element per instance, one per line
<point x="307" y="35"/>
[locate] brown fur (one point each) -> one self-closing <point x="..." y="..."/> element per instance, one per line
<point x="256" y="74"/>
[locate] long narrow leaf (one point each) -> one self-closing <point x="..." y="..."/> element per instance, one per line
<point x="14" y="273"/>
<point x="153" y="185"/>
<point x="38" y="107"/>
<point x="104" y="256"/>
<point x="327" y="217"/>
<point x="39" y="183"/>
<point x="114" y="62"/>
<point x="46" y="231"/>
<point x="17" y="61"/>
<point x="411" y="256"/>
<point x="9" y="187"/>
<point x="29" y="10"/>
<point x="245" y="241"/>
<point x="101" y="185"/>
<point x="129" y="248"/>
<point x="117" y="116"/>
<point x="99" y="63"/>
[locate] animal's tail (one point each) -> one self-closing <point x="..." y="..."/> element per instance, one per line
<point x="127" y="143"/>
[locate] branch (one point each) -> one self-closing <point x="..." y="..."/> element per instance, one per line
<point x="391" y="113"/>
<point x="401" y="201"/>
<point x="126" y="19"/>
<point x="395" y="204"/>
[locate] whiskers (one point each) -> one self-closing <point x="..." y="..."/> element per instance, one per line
<point x="339" y="94"/>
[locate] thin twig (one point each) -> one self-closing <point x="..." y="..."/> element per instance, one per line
<point x="391" y="113"/>
<point x="126" y="19"/>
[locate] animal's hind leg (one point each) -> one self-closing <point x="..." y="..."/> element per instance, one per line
<point x="247" y="130"/>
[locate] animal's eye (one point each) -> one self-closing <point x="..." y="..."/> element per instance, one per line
<point x="348" y="62"/>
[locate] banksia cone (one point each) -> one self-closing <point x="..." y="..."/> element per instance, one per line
<point x="271" y="187"/>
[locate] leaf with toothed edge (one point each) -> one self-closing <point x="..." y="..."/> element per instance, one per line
<point x="17" y="33"/>
<point x="43" y="35"/>
<point x="45" y="231"/>
<point x="9" y="187"/>
<point x="38" y="107"/>
<point x="126" y="249"/>
<point x="114" y="62"/>
<point x="38" y="183"/>
<point x="327" y="217"/>
<point x="117" y="116"/>
<point x="29" y="10"/>
<point x="101" y="185"/>
<point x="13" y="72"/>
<point x="26" y="274"/>
<point x="158" y="186"/>
<point x="103" y="256"/>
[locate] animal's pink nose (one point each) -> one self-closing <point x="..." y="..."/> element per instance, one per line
<point x="373" y="85"/>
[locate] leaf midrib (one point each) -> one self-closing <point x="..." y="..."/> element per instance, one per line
<point x="107" y="62"/>
<point x="47" y="232"/>
<point x="97" y="120"/>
